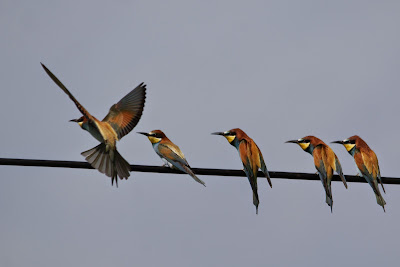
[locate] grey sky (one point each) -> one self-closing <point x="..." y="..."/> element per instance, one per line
<point x="279" y="70"/>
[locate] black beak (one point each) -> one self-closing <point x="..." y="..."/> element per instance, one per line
<point x="337" y="142"/>
<point x="146" y="134"/>
<point x="218" y="133"/>
<point x="292" y="141"/>
<point x="75" y="120"/>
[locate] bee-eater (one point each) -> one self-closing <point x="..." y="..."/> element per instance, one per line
<point x="325" y="161"/>
<point x="120" y="120"/>
<point x="170" y="153"/>
<point x="251" y="157"/>
<point x="367" y="164"/>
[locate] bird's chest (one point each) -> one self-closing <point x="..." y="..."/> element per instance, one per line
<point x="166" y="162"/>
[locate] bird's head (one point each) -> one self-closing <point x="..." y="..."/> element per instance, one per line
<point x="80" y="121"/>
<point x="154" y="136"/>
<point x="230" y="135"/>
<point x="302" y="142"/>
<point x="307" y="143"/>
<point x="349" y="143"/>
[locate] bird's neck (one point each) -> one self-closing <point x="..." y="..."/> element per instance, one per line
<point x="235" y="143"/>
<point x="309" y="149"/>
<point x="155" y="145"/>
<point x="352" y="151"/>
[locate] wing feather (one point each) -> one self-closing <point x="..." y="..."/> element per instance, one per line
<point x="62" y="86"/>
<point x="249" y="165"/>
<point x="125" y="115"/>
<point x="174" y="155"/>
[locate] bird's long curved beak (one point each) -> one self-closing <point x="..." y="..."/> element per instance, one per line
<point x="292" y="141"/>
<point x="337" y="142"/>
<point x="146" y="134"/>
<point x="74" y="120"/>
<point x="218" y="133"/>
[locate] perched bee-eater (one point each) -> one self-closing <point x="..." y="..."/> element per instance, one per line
<point x="120" y="120"/>
<point x="170" y="153"/>
<point x="325" y="161"/>
<point x="367" y="164"/>
<point x="251" y="157"/>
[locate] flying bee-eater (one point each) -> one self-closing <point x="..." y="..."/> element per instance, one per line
<point x="251" y="157"/>
<point x="367" y="164"/>
<point x="170" y="153"/>
<point x="325" y="160"/>
<point x="120" y="120"/>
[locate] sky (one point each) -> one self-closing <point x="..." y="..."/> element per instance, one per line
<point x="279" y="70"/>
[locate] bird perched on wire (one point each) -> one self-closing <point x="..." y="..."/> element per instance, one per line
<point x="367" y="164"/>
<point x="251" y="157"/>
<point x="120" y="120"/>
<point x="170" y="153"/>
<point x="325" y="160"/>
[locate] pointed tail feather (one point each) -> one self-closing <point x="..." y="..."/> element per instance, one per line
<point x="329" y="201"/>
<point x="256" y="202"/>
<point x="380" y="201"/>
<point x="100" y="159"/>
<point x="190" y="172"/>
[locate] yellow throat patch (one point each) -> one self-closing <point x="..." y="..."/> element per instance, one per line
<point x="304" y="146"/>
<point x="230" y="138"/>
<point x="153" y="139"/>
<point x="349" y="146"/>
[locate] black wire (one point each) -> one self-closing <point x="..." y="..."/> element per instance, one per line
<point x="200" y="171"/>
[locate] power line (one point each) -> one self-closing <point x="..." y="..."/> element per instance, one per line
<point x="200" y="171"/>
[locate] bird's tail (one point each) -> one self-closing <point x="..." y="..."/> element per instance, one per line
<point x="111" y="163"/>
<point x="191" y="173"/>
<point x="380" y="201"/>
<point x="328" y="191"/>
<point x="256" y="201"/>
<point x="329" y="201"/>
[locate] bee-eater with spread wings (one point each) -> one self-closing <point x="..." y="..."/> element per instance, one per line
<point x="367" y="164"/>
<point x="170" y="153"/>
<point x="325" y="161"/>
<point x="251" y="157"/>
<point x="120" y="120"/>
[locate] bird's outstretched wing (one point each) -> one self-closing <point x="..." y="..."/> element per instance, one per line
<point x="124" y="115"/>
<point x="62" y="86"/>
